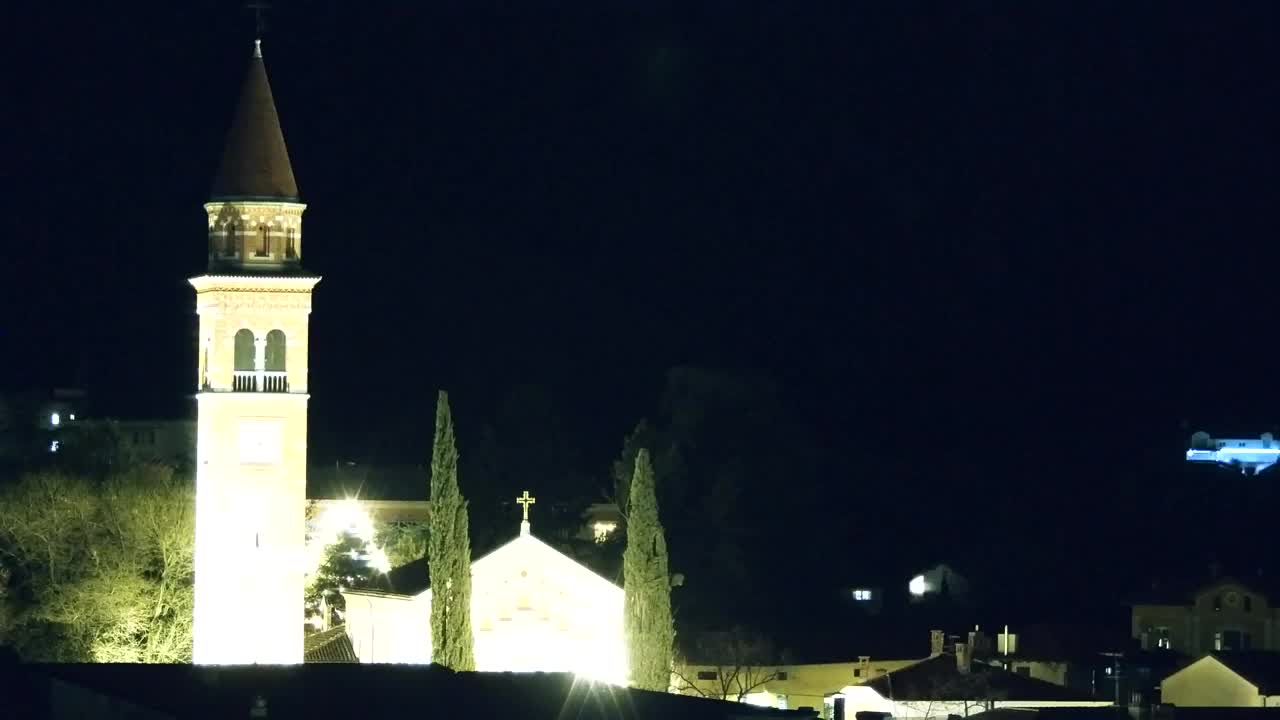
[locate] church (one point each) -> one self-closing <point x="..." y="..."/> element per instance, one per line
<point x="533" y="608"/>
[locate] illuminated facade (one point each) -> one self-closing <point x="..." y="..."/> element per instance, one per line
<point x="1249" y="455"/>
<point x="251" y="438"/>
<point x="533" y="609"/>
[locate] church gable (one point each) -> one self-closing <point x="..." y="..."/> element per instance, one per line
<point x="535" y="609"/>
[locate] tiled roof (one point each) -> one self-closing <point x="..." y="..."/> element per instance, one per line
<point x="929" y="679"/>
<point x="330" y="646"/>
<point x="369" y="692"/>
<point x="255" y="164"/>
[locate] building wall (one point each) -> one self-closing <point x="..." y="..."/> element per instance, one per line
<point x="251" y="459"/>
<point x="532" y="610"/>
<point x="805" y="685"/>
<point x="1208" y="683"/>
<point x="1054" y="671"/>
<point x="389" y="629"/>
<point x="1194" y="628"/>
<point x="172" y="442"/>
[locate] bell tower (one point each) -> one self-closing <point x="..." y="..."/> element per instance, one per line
<point x="254" y="303"/>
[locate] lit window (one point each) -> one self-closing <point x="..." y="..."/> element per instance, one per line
<point x="53" y="446"/>
<point x="861" y="595"/>
<point x="72" y="416"/>
<point x="917" y="585"/>
<point x="602" y="529"/>
<point x="55" y="419"/>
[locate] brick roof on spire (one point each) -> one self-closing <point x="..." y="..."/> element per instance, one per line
<point x="255" y="163"/>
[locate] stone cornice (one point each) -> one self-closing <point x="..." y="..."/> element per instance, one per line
<point x="244" y="283"/>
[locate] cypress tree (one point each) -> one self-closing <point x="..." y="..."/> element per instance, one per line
<point x="647" y="622"/>
<point x="449" y="552"/>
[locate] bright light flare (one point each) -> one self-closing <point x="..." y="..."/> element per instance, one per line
<point x="917" y="586"/>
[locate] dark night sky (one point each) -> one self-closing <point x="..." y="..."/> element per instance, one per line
<point x="999" y="241"/>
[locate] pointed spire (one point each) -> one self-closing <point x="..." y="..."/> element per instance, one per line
<point x="255" y="163"/>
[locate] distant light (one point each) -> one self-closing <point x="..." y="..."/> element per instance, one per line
<point x="53" y="446"/>
<point x="379" y="561"/>
<point x="72" y="416"/>
<point x="861" y="595"/>
<point x="917" y="585"/>
<point x="601" y="530"/>
<point x="55" y="419"/>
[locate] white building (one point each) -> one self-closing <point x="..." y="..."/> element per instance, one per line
<point x="1250" y="455"/>
<point x="532" y="609"/>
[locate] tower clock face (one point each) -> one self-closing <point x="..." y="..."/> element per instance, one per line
<point x="260" y="442"/>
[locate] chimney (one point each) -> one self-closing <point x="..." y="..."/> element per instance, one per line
<point x="978" y="642"/>
<point x="937" y="640"/>
<point x="962" y="658"/>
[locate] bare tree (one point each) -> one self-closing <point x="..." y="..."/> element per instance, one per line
<point x="729" y="665"/>
<point x="100" y="571"/>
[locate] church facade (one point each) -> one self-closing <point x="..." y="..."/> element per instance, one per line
<point x="533" y="609"/>
<point x="254" y="304"/>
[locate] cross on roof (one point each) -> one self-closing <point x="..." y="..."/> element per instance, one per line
<point x="525" y="501"/>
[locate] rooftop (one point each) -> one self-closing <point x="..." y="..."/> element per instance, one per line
<point x="939" y="675"/>
<point x="255" y="164"/>
<point x="305" y="692"/>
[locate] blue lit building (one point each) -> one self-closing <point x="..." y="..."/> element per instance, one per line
<point x="1250" y="456"/>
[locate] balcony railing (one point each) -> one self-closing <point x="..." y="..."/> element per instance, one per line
<point x="272" y="381"/>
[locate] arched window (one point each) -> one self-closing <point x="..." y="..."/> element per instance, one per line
<point x="264" y="241"/>
<point x="275" y="351"/>
<point x="230" y="248"/>
<point x="244" y="350"/>
<point x="289" y="250"/>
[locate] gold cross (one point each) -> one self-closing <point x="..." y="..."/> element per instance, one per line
<point x="525" y="501"/>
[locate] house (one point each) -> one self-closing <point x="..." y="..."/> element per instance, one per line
<point x="1091" y="658"/>
<point x="1226" y="679"/>
<point x="1223" y="615"/>
<point x="306" y="692"/>
<point x="950" y="683"/>
<point x="532" y="609"/>
<point x="1250" y="455"/>
<point x="782" y="686"/>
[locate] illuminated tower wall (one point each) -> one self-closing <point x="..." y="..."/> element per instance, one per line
<point x="253" y="305"/>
